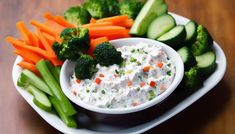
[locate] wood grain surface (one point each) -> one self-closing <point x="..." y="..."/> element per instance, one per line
<point x="212" y="114"/>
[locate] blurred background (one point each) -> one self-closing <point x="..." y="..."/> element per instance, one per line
<point x="214" y="113"/>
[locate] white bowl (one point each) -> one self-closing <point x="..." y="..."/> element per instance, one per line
<point x="68" y="69"/>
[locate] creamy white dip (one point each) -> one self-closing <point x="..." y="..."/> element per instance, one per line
<point x="145" y="73"/>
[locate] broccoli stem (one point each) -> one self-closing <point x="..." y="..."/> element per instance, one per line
<point x="42" y="67"/>
<point x="68" y="120"/>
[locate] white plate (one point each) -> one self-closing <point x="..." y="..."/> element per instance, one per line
<point x="55" y="121"/>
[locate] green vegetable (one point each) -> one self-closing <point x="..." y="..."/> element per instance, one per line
<point x="106" y="54"/>
<point x="97" y="8"/>
<point x="42" y="67"/>
<point x="75" y="41"/>
<point x="150" y="10"/>
<point x="187" y="57"/>
<point x="206" y="63"/>
<point x="192" y="79"/>
<point x="29" y="78"/>
<point x="191" y="30"/>
<point x="160" y="26"/>
<point x="113" y="7"/>
<point x="175" y="37"/>
<point x="85" y="67"/>
<point x="68" y="120"/>
<point x="203" y="41"/>
<point x="77" y="16"/>
<point x="55" y="70"/>
<point x="40" y="99"/>
<point x="130" y="8"/>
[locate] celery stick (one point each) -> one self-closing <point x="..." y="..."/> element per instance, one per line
<point x="54" y="70"/>
<point x="68" y="120"/>
<point x="47" y="76"/>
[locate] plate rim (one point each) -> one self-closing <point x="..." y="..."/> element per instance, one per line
<point x="142" y="127"/>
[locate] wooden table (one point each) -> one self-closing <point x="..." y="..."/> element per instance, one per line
<point x="212" y="114"/>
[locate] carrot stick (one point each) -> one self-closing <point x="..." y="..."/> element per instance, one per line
<point x="28" y="55"/>
<point x="50" y="39"/>
<point x="27" y="65"/>
<point x="114" y="19"/>
<point x="21" y="45"/>
<point x="27" y="59"/>
<point x="92" y="20"/>
<point x="33" y="39"/>
<point x="56" y="62"/>
<point x="23" y="30"/>
<point x="126" y="23"/>
<point x="97" y="24"/>
<point x="55" y="26"/>
<point x="46" y="45"/>
<point x="60" y="20"/>
<point x="48" y="16"/>
<point x="95" y="42"/>
<point x="43" y="27"/>
<point x="105" y="31"/>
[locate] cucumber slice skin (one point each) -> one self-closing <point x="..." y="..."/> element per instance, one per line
<point x="40" y="99"/>
<point x="206" y="63"/>
<point x="150" y="10"/>
<point x="160" y="26"/>
<point x="177" y="39"/>
<point x="187" y="57"/>
<point x="191" y="32"/>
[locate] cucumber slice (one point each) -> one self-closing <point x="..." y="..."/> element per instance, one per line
<point x="174" y="37"/>
<point x="40" y="99"/>
<point x="150" y="10"/>
<point x="206" y="62"/>
<point x="160" y="26"/>
<point x="187" y="57"/>
<point x="191" y="31"/>
<point x="29" y="77"/>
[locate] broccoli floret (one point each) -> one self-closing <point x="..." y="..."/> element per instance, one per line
<point x="203" y="41"/>
<point x="192" y="79"/>
<point x="75" y="41"/>
<point x="106" y="54"/>
<point x="77" y="16"/>
<point x="113" y="7"/>
<point x="131" y="8"/>
<point x="97" y="8"/>
<point x="85" y="67"/>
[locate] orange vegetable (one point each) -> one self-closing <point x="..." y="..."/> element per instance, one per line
<point x="46" y="45"/>
<point x="23" y="30"/>
<point x="114" y="19"/>
<point x="28" y="55"/>
<point x="55" y="26"/>
<point x="60" y="20"/>
<point x="159" y="64"/>
<point x="78" y="81"/>
<point x="95" y="42"/>
<point x="43" y="27"/>
<point x="126" y="23"/>
<point x="129" y="83"/>
<point x="101" y="75"/>
<point x="98" y="81"/>
<point x="92" y="20"/>
<point x="48" y="16"/>
<point x="97" y="24"/>
<point x="152" y="84"/>
<point x="55" y="61"/>
<point x="28" y="66"/>
<point x="146" y="68"/>
<point x="101" y="31"/>
<point x="22" y="45"/>
<point x="50" y="39"/>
